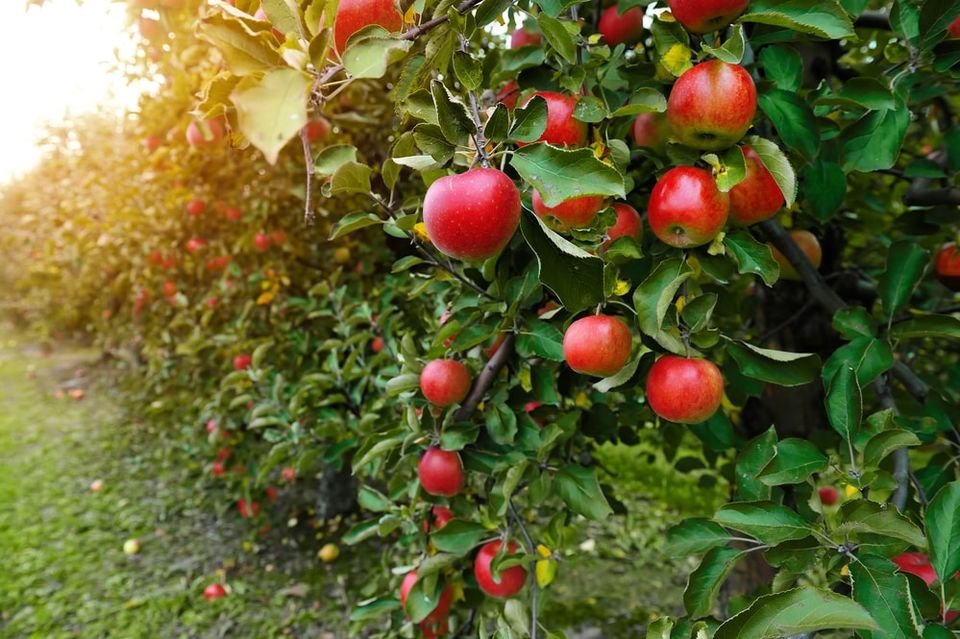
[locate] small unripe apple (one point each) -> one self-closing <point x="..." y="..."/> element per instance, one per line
<point x="131" y="546"/>
<point x="522" y="37"/>
<point x="757" y="197"/>
<point x="196" y="206"/>
<point x="211" y="131"/>
<point x="353" y="15"/>
<point x="947" y="266"/>
<point x="445" y="382"/>
<point x="628" y="224"/>
<point x="242" y="362"/>
<point x="810" y="246"/>
<point x="684" y="390"/>
<point x="441" y="472"/>
<point x="328" y="553"/>
<point x="575" y="213"/>
<point x="686" y="208"/>
<point x="712" y="105"/>
<point x="510" y="580"/>
<point x="704" y="16"/>
<point x="597" y="345"/>
<point x="472" y="215"/>
<point x="621" y="28"/>
<point x="96" y="485"/>
<point x="828" y="495"/>
<point x="443" y="603"/>
<point x="562" y="128"/>
<point x="650" y="130"/>
<point x="341" y="255"/>
<point x="317" y="129"/>
<point x="214" y="591"/>
<point x="261" y="241"/>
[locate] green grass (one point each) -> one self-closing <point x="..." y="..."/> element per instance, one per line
<point x="62" y="569"/>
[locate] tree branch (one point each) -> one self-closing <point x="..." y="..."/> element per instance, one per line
<point x="486" y="378"/>
<point x="901" y="457"/>
<point x="933" y="197"/>
<point x="873" y="20"/>
<point x="534" y="588"/>
<point x="308" y="216"/>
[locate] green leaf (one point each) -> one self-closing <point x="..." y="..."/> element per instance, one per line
<point x="375" y="609"/>
<point x="579" y="489"/>
<point x="884" y="443"/>
<point x="452" y="114"/>
<point x="644" y="100"/>
<point x="794" y="612"/>
<point x="283" y="15"/>
<point x="873" y="142"/>
<point x="622" y="376"/>
<point x="654" y="297"/>
<point x="705" y="582"/>
<point x="822" y="18"/>
<point x="777" y="367"/>
<point x="273" y="109"/>
<point x="540" y="339"/>
<point x="775" y="161"/>
<point x="943" y="530"/>
<point x="421" y="603"/>
<point x="459" y="537"/>
<point x="468" y="69"/>
<point x="244" y="51"/>
<point x="935" y="16"/>
<point x="793" y="119"/>
<point x="752" y="256"/>
<point x="861" y="93"/>
<point x="501" y="424"/>
<point x="332" y="158"/>
<point x="730" y="169"/>
<point x="906" y="262"/>
<point x="353" y="222"/>
<point x="371" y="57"/>
<point x="558" y="37"/>
<point x="697" y="313"/>
<point x="885" y="594"/>
<point x="844" y="402"/>
<point x="660" y="629"/>
<point x="529" y="121"/>
<point x="490" y="10"/>
<point x="755" y="456"/>
<point x="373" y="500"/>
<point x="861" y="517"/>
<point x="695" y="536"/>
<point x="936" y="631"/>
<point x="351" y="177"/>
<point x="575" y="276"/>
<point x="590" y="109"/>
<point x="853" y="322"/>
<point x="560" y="175"/>
<point x="824" y="188"/>
<point x="732" y="49"/>
<point x="869" y="356"/>
<point x="766" y="521"/>
<point x="795" y="461"/>
<point x="944" y="326"/>
<point x="783" y="66"/>
<point x="361" y="532"/>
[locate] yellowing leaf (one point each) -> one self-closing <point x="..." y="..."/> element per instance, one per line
<point x="677" y="59"/>
<point x="273" y="109"/>
<point x="410" y="17"/>
<point x="543" y="551"/>
<point x="266" y="297"/>
<point x="546" y="572"/>
<point x="622" y="288"/>
<point x="420" y="231"/>
<point x="850" y="490"/>
<point x="582" y="401"/>
<point x="681" y="303"/>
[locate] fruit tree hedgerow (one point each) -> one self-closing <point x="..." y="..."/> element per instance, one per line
<point x="733" y="128"/>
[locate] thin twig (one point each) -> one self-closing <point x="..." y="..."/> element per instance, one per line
<point x="308" y="216"/>
<point x="901" y="456"/>
<point x="534" y="588"/>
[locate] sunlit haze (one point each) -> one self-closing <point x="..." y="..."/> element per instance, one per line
<point x="57" y="61"/>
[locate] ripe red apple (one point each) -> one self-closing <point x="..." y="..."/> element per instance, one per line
<point x="261" y="241"/>
<point x="289" y="473"/>
<point x="510" y="580"/>
<point x="377" y="344"/>
<point x="195" y="244"/>
<point x="810" y="246"/>
<point x="172" y="4"/>
<point x="704" y="16"/>
<point x="317" y="129"/>
<point x="438" y="614"/>
<point x="508" y="94"/>
<point x="522" y="37"/>
<point x="218" y="264"/>
<point x="169" y="288"/>
<point x="684" y="390"/>
<point x="217" y="468"/>
<point x="232" y="214"/>
<point x="212" y="302"/>
<point x="149" y="28"/>
<point x="954" y="28"/>
<point x="947" y="266"/>
<point x="441" y="516"/>
<point x="712" y="105"/>
<point x="155" y="258"/>
<point x="152" y="143"/>
<point x="828" y="495"/>
<point x="686" y="208"/>
<point x="445" y="382"/>
<point x="196" y="206"/>
<point x="650" y="131"/>
<point x="597" y="345"/>
<point x="757" y="197"/>
<point x="271" y="493"/>
<point x="441" y="472"/>
<point x="248" y="508"/>
<point x="223" y="454"/>
<point x="212" y="426"/>
<point x="242" y="362"/>
<point x="206" y="133"/>
<point x="621" y="28"/>
<point x="576" y="213"/>
<point x="628" y="224"/>
<point x="353" y="15"/>
<point x="214" y="591"/>
<point x="562" y="128"/>
<point x="472" y="215"/>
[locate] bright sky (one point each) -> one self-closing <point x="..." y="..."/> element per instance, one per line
<point x="57" y="60"/>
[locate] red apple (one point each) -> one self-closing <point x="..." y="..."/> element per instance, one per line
<point x="248" y="508"/>
<point x="704" y="16"/>
<point x="441" y="472"/>
<point x="445" y="382"/>
<point x="223" y="454"/>
<point x="712" y="105"/>
<point x="169" y="288"/>
<point x="472" y="215"/>
<point x="757" y="197"/>
<point x="196" y="206"/>
<point x="155" y="258"/>
<point x="278" y="238"/>
<point x="289" y="473"/>
<point x="217" y="469"/>
<point x="438" y="614"/>
<point x="508" y="94"/>
<point x="242" y="362"/>
<point x="353" y="15"/>
<point x="212" y="302"/>
<point x="508" y="583"/>
<point x="686" y="208"/>
<point x="152" y="143"/>
<point x="828" y="495"/>
<point x="218" y="264"/>
<point x="597" y="345"/>
<point x="377" y="344"/>
<point x="441" y="516"/>
<point x="521" y="38"/>
<point x="212" y="426"/>
<point x="954" y="28"/>
<point x="562" y="128"/>
<point x="271" y="493"/>
<point x="621" y="28"/>
<point x="947" y="266"/>
<point x="628" y="224"/>
<point x="684" y="390"/>
<point x="214" y="591"/>
<point x="204" y="133"/>
<point x="317" y="129"/>
<point x="575" y="213"/>
<point x="232" y="214"/>
<point x="172" y="4"/>
<point x="195" y="244"/>
<point x="810" y="246"/>
<point x="261" y="241"/>
<point x="149" y="28"/>
<point x="650" y="131"/>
